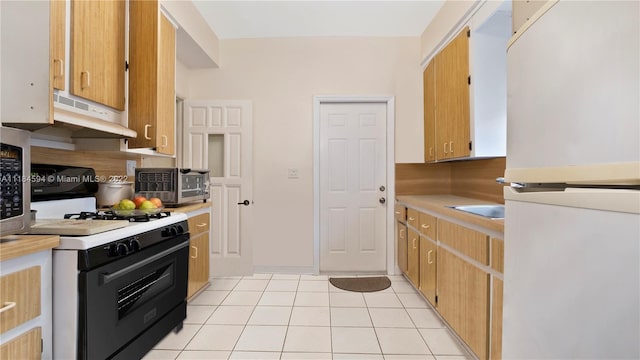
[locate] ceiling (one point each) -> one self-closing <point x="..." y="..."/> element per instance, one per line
<point x="260" y="19"/>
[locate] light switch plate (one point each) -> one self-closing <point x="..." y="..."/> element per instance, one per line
<point x="131" y="167"/>
<point x="292" y="173"/>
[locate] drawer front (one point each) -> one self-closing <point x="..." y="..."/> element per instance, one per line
<point x="469" y="242"/>
<point x="401" y="213"/>
<point x="413" y="218"/>
<point x="19" y="297"/>
<point x="26" y="346"/>
<point x="428" y="225"/>
<point x="198" y="224"/>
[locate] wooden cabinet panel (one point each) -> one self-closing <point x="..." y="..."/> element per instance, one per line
<point x="429" y="82"/>
<point x="452" y="98"/>
<point x="413" y="217"/>
<point x="198" y="263"/>
<point x="469" y="242"/>
<point x="98" y="51"/>
<point x="497" y="254"/>
<point x="152" y="47"/>
<point x="413" y="258"/>
<point x="496" y="320"/>
<point x="198" y="224"/>
<point x="25" y="347"/>
<point x="400" y="213"/>
<point x="19" y="297"/>
<point x="402" y="247"/>
<point x="428" y="270"/>
<point x="58" y="57"/>
<point x="463" y="300"/>
<point x="428" y="225"/>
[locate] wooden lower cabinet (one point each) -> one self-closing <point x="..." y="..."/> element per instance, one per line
<point x="27" y="346"/>
<point x="463" y="300"/>
<point x="428" y="270"/>
<point x="496" y="320"/>
<point x="198" y="253"/>
<point x="20" y="297"/>
<point x="402" y="247"/>
<point x="413" y="258"/>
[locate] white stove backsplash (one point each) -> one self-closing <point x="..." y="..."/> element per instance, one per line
<point x="55" y="209"/>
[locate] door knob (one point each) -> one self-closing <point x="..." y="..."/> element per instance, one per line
<point x="245" y="203"/>
<point x="382" y="200"/>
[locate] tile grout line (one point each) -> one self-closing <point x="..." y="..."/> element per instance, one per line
<point x="284" y="341"/>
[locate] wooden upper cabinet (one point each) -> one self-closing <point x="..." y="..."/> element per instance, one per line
<point x="58" y="55"/>
<point x="430" y="149"/>
<point x="452" y="98"/>
<point x="98" y="51"/>
<point x="152" y="56"/>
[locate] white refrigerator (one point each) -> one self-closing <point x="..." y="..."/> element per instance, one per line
<point x="572" y="224"/>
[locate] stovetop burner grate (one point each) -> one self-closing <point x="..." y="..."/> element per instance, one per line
<point x="109" y="215"/>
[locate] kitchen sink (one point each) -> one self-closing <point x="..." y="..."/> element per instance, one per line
<point x="488" y="211"/>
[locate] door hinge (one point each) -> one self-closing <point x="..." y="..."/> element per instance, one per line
<point x="468" y="33"/>
<point x="41" y="345"/>
<point x="469" y="79"/>
<point x="126" y="66"/>
<point x="470" y="145"/>
<point x="436" y="299"/>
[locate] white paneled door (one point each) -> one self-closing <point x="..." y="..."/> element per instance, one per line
<point x="353" y="165"/>
<point x="217" y="136"/>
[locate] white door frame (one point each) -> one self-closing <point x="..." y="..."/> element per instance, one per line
<point x="390" y="193"/>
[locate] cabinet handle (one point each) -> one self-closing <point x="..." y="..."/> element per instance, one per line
<point x="401" y="233"/>
<point x="397" y="212"/>
<point x="411" y="218"/>
<point x="195" y="249"/>
<point x="201" y="225"/>
<point x="85" y="75"/>
<point x="164" y="141"/>
<point x="414" y="243"/>
<point x="445" y="148"/>
<point x="146" y="132"/>
<point x="431" y="151"/>
<point x="7" y="305"/>
<point x="60" y="72"/>
<point x="429" y="261"/>
<point x="425" y="226"/>
<point x="451" y="147"/>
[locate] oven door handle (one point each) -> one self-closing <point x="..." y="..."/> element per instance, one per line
<point x="106" y="278"/>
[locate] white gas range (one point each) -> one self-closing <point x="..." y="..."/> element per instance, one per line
<point x="117" y="289"/>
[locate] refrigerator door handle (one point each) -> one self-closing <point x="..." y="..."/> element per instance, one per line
<point x="619" y="200"/>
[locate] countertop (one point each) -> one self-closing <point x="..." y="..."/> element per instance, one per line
<point x="185" y="208"/>
<point x="437" y="204"/>
<point x="13" y="246"/>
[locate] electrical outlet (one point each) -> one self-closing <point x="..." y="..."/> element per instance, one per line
<point x="292" y="173"/>
<point x="131" y="167"/>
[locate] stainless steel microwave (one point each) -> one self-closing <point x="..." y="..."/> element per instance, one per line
<point x="174" y="186"/>
<point x="15" y="164"/>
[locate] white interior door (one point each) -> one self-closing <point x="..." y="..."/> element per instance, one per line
<point x="353" y="165"/>
<point x="218" y="136"/>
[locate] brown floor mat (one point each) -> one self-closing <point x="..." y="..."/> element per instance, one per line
<point x="361" y="284"/>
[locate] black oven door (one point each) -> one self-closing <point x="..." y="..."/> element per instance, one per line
<point x="140" y="293"/>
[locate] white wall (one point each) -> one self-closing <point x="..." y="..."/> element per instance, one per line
<point x="450" y="14"/>
<point x="281" y="76"/>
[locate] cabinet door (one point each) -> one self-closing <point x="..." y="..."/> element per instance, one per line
<point x="496" y="320"/>
<point x="428" y="269"/>
<point x="19" y="297"/>
<point x="452" y="98"/>
<point x="413" y="258"/>
<point x="429" y="81"/>
<point x="198" y="263"/>
<point x="27" y="346"/>
<point x="97" y="51"/>
<point x="58" y="17"/>
<point x="166" y="88"/>
<point x="402" y="247"/>
<point x="463" y="300"/>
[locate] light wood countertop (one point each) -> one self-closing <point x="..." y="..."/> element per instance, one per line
<point x="438" y="204"/>
<point x="185" y="208"/>
<point x="13" y="246"/>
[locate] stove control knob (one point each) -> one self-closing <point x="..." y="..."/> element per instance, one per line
<point x="180" y="229"/>
<point x="134" y="245"/>
<point x="113" y="250"/>
<point x="173" y="231"/>
<point x="122" y="249"/>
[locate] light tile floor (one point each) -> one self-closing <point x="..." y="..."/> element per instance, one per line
<point x="294" y="317"/>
